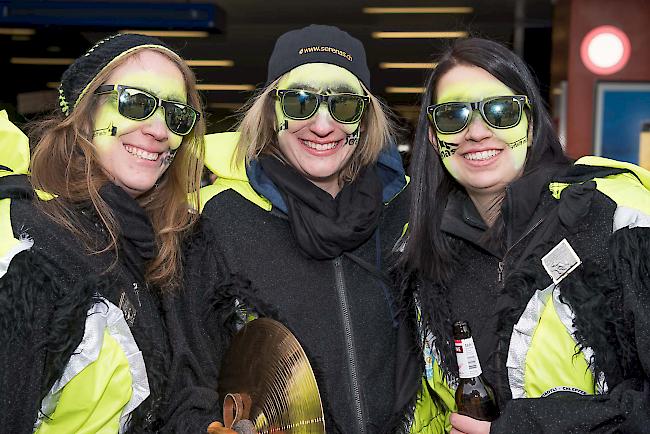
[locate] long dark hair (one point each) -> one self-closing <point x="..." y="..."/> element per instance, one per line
<point x="427" y="252"/>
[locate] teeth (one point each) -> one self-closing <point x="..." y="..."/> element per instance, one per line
<point x="320" y="146"/>
<point x="483" y="155"/>
<point x="141" y="153"/>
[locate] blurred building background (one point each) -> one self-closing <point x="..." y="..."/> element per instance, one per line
<point x="590" y="56"/>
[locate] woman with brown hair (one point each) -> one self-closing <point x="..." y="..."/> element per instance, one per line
<point x="91" y="242"/>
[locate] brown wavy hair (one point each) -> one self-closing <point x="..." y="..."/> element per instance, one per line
<point x="65" y="164"/>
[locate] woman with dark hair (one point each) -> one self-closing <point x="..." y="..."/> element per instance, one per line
<point x="546" y="259"/>
<point x="91" y="240"/>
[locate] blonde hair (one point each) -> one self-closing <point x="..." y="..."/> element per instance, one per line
<point x="259" y="136"/>
<point x="65" y="164"/>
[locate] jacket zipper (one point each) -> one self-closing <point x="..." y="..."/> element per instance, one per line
<point x="349" y="341"/>
<point x="503" y="260"/>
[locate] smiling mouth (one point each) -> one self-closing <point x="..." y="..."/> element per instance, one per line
<point x="482" y="155"/>
<point x="320" y="146"/>
<point x="141" y="153"/>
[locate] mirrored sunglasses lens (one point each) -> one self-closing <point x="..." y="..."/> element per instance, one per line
<point x="502" y="112"/>
<point x="450" y="118"/>
<point x="346" y="108"/>
<point x="135" y="104"/>
<point x="299" y="105"/>
<point x="179" y="118"/>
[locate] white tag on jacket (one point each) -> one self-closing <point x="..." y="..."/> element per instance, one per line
<point x="560" y="261"/>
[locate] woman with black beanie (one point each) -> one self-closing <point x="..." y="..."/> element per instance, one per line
<point x="90" y="241"/>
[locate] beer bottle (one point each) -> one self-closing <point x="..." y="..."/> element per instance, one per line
<point x="474" y="395"/>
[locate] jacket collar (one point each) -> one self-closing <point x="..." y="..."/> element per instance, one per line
<point x="462" y="219"/>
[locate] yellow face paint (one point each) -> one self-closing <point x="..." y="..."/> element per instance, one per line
<point x="322" y="78"/>
<point x="481" y="158"/>
<point x="318" y="147"/>
<point x="516" y="137"/>
<point x="136" y="153"/>
<point x="108" y="119"/>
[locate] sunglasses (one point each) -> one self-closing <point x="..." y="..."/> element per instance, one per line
<point x="345" y="108"/>
<point x="497" y="111"/>
<point x="137" y="104"/>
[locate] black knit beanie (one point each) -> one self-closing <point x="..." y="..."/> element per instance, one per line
<point x="318" y="44"/>
<point x="82" y="72"/>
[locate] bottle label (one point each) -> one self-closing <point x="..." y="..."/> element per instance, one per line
<point x="468" y="364"/>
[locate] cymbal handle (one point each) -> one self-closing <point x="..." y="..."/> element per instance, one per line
<point x="236" y="407"/>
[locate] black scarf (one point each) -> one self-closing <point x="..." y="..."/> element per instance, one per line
<point x="136" y="238"/>
<point x="325" y="227"/>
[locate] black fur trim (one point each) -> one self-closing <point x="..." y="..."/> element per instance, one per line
<point x="33" y="287"/>
<point x="145" y="418"/>
<point x="16" y="187"/>
<point x="518" y="288"/>
<point x="409" y="372"/>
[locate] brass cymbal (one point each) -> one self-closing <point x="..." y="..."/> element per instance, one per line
<point x="266" y="365"/>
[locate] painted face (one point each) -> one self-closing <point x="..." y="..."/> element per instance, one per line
<point x="134" y="153"/>
<point x="318" y="147"/>
<point x="481" y="158"/>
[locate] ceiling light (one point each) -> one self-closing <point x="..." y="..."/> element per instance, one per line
<point x="17" y="32"/>
<point x="210" y="62"/>
<point x="169" y="33"/>
<point x="418" y="35"/>
<point x="407" y="65"/>
<point x="40" y="61"/>
<point x="225" y="87"/>
<point x="419" y="10"/>
<point x="403" y="89"/>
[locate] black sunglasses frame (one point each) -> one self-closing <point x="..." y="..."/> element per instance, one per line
<point x="108" y="88"/>
<point x="280" y="93"/>
<point x="522" y="101"/>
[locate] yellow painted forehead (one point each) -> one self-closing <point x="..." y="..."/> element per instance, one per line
<point x="322" y="78"/>
<point x="469" y="84"/>
<point x="166" y="83"/>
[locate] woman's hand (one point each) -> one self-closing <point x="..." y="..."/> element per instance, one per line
<point x="466" y="425"/>
<point x="218" y="428"/>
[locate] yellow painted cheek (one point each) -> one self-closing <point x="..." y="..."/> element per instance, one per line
<point x="279" y="116"/>
<point x="350" y="128"/>
<point x="104" y="143"/>
<point x="445" y="155"/>
<point x="451" y="138"/>
<point x="517" y="139"/>
<point x="108" y="117"/>
<point x="450" y="165"/>
<point x="175" y="141"/>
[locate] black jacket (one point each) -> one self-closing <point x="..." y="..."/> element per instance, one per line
<point x="609" y="294"/>
<point x="340" y="310"/>
<point x="44" y="299"/>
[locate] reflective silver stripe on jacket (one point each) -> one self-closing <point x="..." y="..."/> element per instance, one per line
<point x="630" y="217"/>
<point x="522" y="336"/>
<point x="102" y="316"/>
